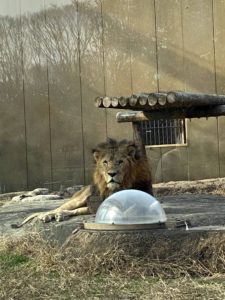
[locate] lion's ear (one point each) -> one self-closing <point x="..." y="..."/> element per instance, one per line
<point x="96" y="154"/>
<point x="133" y="151"/>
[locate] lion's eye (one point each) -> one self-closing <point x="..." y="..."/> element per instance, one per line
<point x="105" y="162"/>
<point x="120" y="162"/>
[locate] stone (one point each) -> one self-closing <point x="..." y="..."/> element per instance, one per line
<point x="204" y="211"/>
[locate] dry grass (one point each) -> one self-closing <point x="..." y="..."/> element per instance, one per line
<point x="35" y="269"/>
<point x="213" y="186"/>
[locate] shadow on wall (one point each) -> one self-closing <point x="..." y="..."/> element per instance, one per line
<point x="171" y="167"/>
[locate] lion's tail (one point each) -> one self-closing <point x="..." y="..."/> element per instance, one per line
<point x="28" y="219"/>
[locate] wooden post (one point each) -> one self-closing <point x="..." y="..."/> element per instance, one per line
<point x="137" y="137"/>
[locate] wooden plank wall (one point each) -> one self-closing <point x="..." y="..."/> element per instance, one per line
<point x="56" y="56"/>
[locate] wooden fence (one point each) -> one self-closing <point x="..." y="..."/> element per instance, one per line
<point x="56" y="56"/>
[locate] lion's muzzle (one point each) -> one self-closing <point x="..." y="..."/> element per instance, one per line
<point x="113" y="181"/>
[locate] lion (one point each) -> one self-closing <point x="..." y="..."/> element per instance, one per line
<point x="119" y="165"/>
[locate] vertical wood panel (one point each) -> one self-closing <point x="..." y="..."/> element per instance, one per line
<point x="170" y="44"/>
<point x="36" y="94"/>
<point x="61" y="45"/>
<point x="219" y="38"/>
<point x="117" y="60"/>
<point x="142" y="46"/>
<point x="200" y="77"/>
<point x="171" y="74"/>
<point x="13" y="165"/>
<point x="92" y="75"/>
<point x="143" y="56"/>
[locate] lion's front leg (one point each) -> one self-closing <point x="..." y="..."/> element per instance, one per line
<point x="65" y="214"/>
<point x="79" y="199"/>
<point x="61" y="214"/>
<point x="77" y="205"/>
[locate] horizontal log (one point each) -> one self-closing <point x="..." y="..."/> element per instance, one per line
<point x="123" y="101"/>
<point x="115" y="102"/>
<point x="162" y="99"/>
<point x="133" y="100"/>
<point x="106" y="102"/>
<point x="143" y="99"/>
<point x="158" y="101"/>
<point x="171" y="113"/>
<point x="182" y="99"/>
<point x="137" y="116"/>
<point x="98" y="102"/>
<point x="131" y="116"/>
<point x="152" y="99"/>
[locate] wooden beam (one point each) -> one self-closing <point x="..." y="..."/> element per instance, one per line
<point x="181" y="99"/>
<point x="182" y="113"/>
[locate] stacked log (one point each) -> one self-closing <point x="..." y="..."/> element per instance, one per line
<point x="170" y="105"/>
<point x="134" y="102"/>
<point x="158" y="101"/>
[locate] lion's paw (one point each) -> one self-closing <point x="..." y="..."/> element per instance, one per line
<point x="63" y="215"/>
<point x="46" y="217"/>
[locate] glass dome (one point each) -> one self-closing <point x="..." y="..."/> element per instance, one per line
<point x="130" y="207"/>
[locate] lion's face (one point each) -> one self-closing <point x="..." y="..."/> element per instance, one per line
<point x="115" y="165"/>
<point x="113" y="168"/>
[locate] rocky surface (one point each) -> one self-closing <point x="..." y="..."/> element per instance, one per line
<point x="179" y="199"/>
<point x="15" y="211"/>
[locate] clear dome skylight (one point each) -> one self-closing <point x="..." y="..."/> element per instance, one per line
<point x="130" y="207"/>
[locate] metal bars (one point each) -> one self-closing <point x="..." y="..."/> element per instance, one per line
<point x="163" y="132"/>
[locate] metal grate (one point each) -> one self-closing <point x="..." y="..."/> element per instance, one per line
<point x="163" y="132"/>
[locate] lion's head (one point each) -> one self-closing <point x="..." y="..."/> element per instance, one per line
<point x="120" y="165"/>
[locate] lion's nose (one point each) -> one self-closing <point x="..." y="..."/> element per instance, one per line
<point x="112" y="174"/>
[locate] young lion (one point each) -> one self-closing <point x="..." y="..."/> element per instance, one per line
<point x="119" y="166"/>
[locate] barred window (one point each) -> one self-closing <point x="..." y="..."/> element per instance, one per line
<point x="163" y="132"/>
